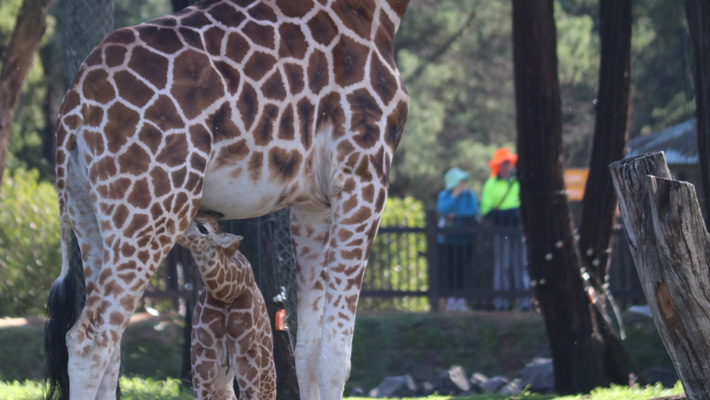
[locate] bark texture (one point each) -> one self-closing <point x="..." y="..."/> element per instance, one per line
<point x="671" y="249"/>
<point x="577" y="346"/>
<point x="29" y="27"/>
<point x="698" y="15"/>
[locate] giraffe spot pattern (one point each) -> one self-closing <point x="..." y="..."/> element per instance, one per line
<point x="225" y="14"/>
<point x="261" y="35"/>
<point x="356" y="15"/>
<point x="365" y="115"/>
<point x="151" y="66"/>
<point x="132" y="89"/>
<point x="294" y="9"/>
<point x="323" y="28"/>
<point x="164" y="40"/>
<point x="196" y="85"/>
<point x="349" y="62"/>
<point x="284" y="164"/>
<point x="258" y="65"/>
<point x="293" y="41"/>
<point x="97" y="87"/>
<point x="294" y="75"/>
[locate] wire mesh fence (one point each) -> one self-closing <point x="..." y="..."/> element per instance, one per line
<point x="87" y="22"/>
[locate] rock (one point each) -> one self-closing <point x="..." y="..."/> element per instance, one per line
<point x="395" y="386"/>
<point x="477" y="380"/>
<point x="493" y="385"/>
<point x="426" y="389"/>
<point x="458" y="378"/>
<point x="665" y="376"/>
<point x="513" y="387"/>
<point x="452" y="381"/>
<point x="538" y="376"/>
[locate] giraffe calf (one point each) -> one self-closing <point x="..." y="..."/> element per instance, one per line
<point x="231" y="333"/>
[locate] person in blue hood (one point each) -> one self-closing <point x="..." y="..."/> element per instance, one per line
<point x="458" y="207"/>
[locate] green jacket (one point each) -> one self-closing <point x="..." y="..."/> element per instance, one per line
<point x="494" y="194"/>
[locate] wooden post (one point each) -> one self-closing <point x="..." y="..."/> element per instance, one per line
<point x="432" y="257"/>
<point x="671" y="250"/>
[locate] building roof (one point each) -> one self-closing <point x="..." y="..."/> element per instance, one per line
<point x="678" y="142"/>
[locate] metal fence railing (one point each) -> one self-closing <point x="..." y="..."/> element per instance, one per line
<point x="411" y="262"/>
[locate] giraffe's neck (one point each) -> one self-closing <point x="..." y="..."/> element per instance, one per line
<point x="225" y="277"/>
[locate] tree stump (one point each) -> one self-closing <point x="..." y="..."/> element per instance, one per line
<point x="671" y="249"/>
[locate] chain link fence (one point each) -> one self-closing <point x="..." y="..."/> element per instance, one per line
<point x="87" y="22"/>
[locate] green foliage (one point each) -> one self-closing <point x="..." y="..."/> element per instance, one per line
<point x="461" y="100"/>
<point x="132" y="12"/>
<point x="397" y="260"/>
<point x="662" y="67"/>
<point x="577" y="49"/>
<point x="406" y="212"/>
<point x="25" y="143"/>
<point x="30" y="257"/>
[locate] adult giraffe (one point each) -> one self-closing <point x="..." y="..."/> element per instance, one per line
<point x="236" y="107"/>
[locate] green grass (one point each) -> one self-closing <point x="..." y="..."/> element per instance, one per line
<point x="385" y="344"/>
<point x="131" y="389"/>
<point x="148" y="389"/>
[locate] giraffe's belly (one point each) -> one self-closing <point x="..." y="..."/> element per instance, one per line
<point x="240" y="197"/>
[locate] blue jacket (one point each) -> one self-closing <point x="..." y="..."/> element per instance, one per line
<point x="465" y="210"/>
<point x="466" y="205"/>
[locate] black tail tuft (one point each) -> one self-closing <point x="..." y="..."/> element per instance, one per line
<point x="63" y="308"/>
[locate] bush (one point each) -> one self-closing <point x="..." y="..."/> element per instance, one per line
<point x="398" y="260"/>
<point x="30" y="257"/>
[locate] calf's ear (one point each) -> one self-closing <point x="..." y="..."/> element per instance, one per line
<point x="228" y="241"/>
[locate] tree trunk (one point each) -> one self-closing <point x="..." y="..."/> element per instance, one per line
<point x="698" y="15"/>
<point x="554" y="264"/>
<point x="671" y="249"/>
<point x="284" y="359"/>
<point x="50" y="107"/>
<point x="29" y="27"/>
<point x="599" y="203"/>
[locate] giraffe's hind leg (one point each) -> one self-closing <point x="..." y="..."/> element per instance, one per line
<point x="130" y="248"/>
<point x="85" y="382"/>
<point x="310" y="229"/>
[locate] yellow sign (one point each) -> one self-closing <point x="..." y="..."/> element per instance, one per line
<point x="575" y="180"/>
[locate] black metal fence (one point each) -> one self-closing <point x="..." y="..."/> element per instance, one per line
<point x="411" y="263"/>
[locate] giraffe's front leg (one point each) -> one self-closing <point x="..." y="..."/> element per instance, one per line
<point x="212" y="376"/>
<point x="109" y="383"/>
<point x="310" y="232"/>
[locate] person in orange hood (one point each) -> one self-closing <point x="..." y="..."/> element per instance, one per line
<point x="500" y="206"/>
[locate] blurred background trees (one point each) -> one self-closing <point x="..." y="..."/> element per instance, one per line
<point x="456" y="60"/>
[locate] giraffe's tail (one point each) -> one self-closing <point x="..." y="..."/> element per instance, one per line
<point x="63" y="307"/>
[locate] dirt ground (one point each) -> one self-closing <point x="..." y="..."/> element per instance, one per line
<point x="6" y="322"/>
